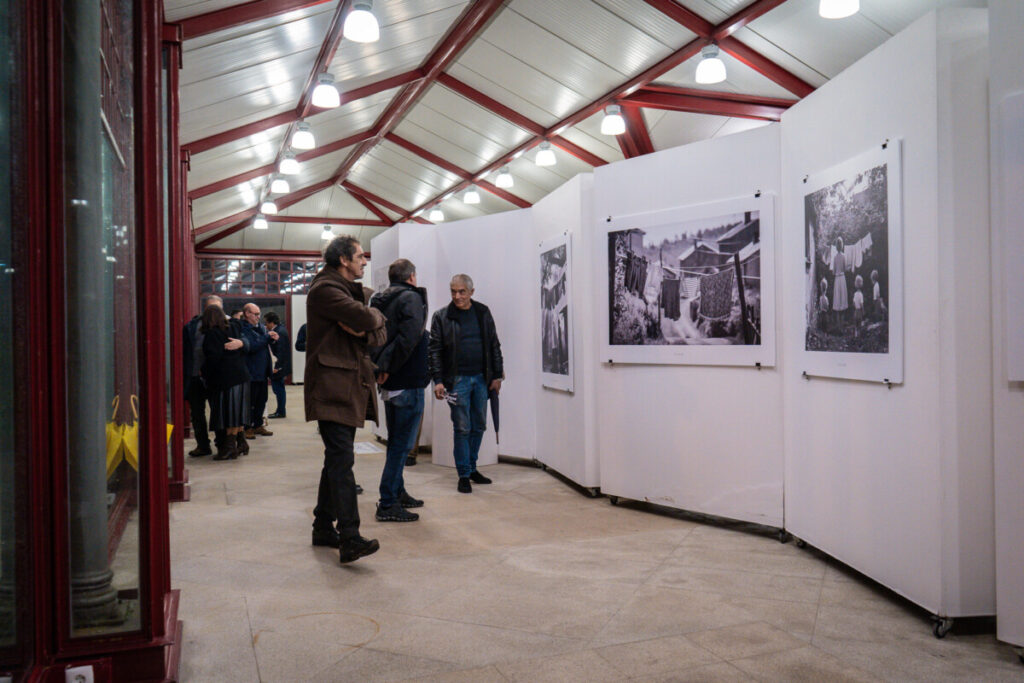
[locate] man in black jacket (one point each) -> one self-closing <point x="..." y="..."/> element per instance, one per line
<point x="465" y="364"/>
<point x="195" y="390"/>
<point x="282" y="350"/>
<point x="402" y="374"/>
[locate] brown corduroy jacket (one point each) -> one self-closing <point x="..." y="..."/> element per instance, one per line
<point x="339" y="377"/>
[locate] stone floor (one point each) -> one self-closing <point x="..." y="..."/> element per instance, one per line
<point x="524" y="580"/>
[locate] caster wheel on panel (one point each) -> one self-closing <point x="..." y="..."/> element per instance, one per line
<point x="784" y="536"/>
<point x="941" y="626"/>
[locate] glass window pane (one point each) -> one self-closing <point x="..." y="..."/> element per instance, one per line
<point x="102" y="359"/>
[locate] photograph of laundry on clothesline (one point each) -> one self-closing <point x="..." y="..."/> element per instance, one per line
<point x="692" y="282"/>
<point x="554" y="304"/>
<point x="847" y="249"/>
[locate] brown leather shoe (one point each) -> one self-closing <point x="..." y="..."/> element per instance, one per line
<point x="263" y="431"/>
<point x="250" y="433"/>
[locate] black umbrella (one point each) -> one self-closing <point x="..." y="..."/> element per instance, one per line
<point x="492" y="396"/>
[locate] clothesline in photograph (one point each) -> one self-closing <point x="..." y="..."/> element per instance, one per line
<point x="852" y="253"/>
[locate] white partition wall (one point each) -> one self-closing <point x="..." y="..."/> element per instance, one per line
<point x="298" y="307"/>
<point x="700" y="438"/>
<point x="897" y="483"/>
<point x="383" y="251"/>
<point x="566" y="423"/>
<point x="1006" y="24"/>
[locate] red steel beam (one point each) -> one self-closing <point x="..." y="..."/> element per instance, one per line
<point x="702" y="102"/>
<point x="360" y="192"/>
<point x="328" y="221"/>
<point x="269" y="168"/>
<point x="637" y="128"/>
<point x="272" y="253"/>
<point x="684" y="17"/>
<point x="373" y="208"/>
<point x="228" y="220"/>
<point x="470" y="23"/>
<point x="462" y="173"/>
<point x="228" y="17"/>
<point x="744" y="17"/>
<point x="758" y="62"/>
<point x="572" y="148"/>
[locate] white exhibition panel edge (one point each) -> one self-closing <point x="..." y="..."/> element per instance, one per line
<point x="762" y="354"/>
<point x="566" y="437"/>
<point x="701" y="438"/>
<point x="383" y="251"/>
<point x="298" y="309"/>
<point x="891" y="482"/>
<point x="1006" y="23"/>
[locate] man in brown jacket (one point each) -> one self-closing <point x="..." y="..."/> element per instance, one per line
<point x="339" y="384"/>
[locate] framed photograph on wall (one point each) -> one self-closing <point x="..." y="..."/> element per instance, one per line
<point x="692" y="285"/>
<point x="853" y="268"/>
<point x="555" y="313"/>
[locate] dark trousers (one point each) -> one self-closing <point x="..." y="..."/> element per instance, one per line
<point x="277" y="384"/>
<point x="336" y="499"/>
<point x="195" y="394"/>
<point x="257" y="402"/>
<point x="403" y="413"/>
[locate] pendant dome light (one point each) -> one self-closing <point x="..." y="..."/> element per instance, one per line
<point x="327" y="234"/>
<point x="260" y="222"/>
<point x="360" y="24"/>
<point x="325" y="95"/>
<point x="268" y="207"/>
<point x="504" y="179"/>
<point x="289" y="164"/>
<point x="303" y="138"/>
<point x="838" y="9"/>
<point x="279" y="185"/>
<point x="545" y="155"/>
<point x="711" y="69"/>
<point x="436" y="215"/>
<point x="471" y="196"/>
<point x="613" y="123"/>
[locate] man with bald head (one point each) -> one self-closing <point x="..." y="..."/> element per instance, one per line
<point x="260" y="368"/>
<point x="465" y="364"/>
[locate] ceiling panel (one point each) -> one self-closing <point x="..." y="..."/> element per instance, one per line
<point x="397" y="163"/>
<point x="497" y="91"/>
<point x="649" y="21"/>
<point x="471" y="116"/>
<point x="206" y="210"/>
<point x="349" y="119"/>
<point x="330" y="203"/>
<point x="235" y="157"/>
<point x="175" y="10"/>
<point x="671" y="128"/>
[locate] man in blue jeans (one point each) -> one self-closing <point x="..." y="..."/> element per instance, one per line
<point x="402" y="375"/>
<point x="465" y="364"/>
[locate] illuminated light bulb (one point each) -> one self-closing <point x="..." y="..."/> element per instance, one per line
<point x="613" y="123"/>
<point x="327" y="234"/>
<point x="436" y="215"/>
<point x="838" y="9"/>
<point x="545" y="155"/>
<point x="280" y="186"/>
<point x="289" y="164"/>
<point x="711" y="69"/>
<point x="268" y="207"/>
<point x="325" y="95"/>
<point x="360" y="24"/>
<point x="259" y="223"/>
<point x="471" y="196"/>
<point x="504" y="179"/>
<point x="303" y="136"/>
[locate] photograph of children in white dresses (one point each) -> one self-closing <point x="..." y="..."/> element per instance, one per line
<point x="554" y="304"/>
<point x="847" y="249"/>
<point x="694" y="282"/>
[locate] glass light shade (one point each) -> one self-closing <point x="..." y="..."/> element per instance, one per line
<point x="280" y="186"/>
<point x="325" y="95"/>
<point x="504" y="179"/>
<point x="436" y="215"/>
<point x="327" y="234"/>
<point x="289" y="164"/>
<point x="268" y="207"/>
<point x="259" y="223"/>
<point x="471" y="196"/>
<point x="303" y="138"/>
<point x="838" y="9"/>
<point x="545" y="155"/>
<point x="613" y="123"/>
<point x="711" y="69"/>
<point x="360" y="24"/>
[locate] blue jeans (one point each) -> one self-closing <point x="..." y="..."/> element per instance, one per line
<point x="277" y="384"/>
<point x="469" y="416"/>
<point x="403" y="413"/>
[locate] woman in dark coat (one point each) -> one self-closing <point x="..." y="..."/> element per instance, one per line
<point x="227" y="380"/>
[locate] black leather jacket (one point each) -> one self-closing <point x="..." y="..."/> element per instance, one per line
<point x="443" y="351"/>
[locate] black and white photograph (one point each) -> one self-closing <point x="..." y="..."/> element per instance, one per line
<point x="850" y="212"/>
<point x="555" y="315"/>
<point x="691" y="277"/>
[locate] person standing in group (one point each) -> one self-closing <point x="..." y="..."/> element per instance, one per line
<point x="227" y="380"/>
<point x="195" y="390"/>
<point x="465" y="363"/>
<point x="402" y="375"/>
<point x="282" y="350"/>
<point x="260" y="368"/>
<point x="338" y="389"/>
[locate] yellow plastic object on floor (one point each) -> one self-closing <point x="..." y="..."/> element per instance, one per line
<point x="115" y="439"/>
<point x="131" y="436"/>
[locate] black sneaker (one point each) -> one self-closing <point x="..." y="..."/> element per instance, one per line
<point x="407" y="501"/>
<point x="395" y="513"/>
<point x="410" y="461"/>
<point x="478" y="478"/>
<point x="464" y="485"/>
<point x="352" y="549"/>
<point x="200" y="451"/>
<point x="274" y="416"/>
<point x="326" y="537"/>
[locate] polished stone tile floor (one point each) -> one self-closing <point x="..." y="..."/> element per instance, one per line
<point x="523" y="580"/>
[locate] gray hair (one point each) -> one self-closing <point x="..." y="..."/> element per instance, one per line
<point x="341" y="246"/>
<point x="401" y="270"/>
<point x="213" y="300"/>
<point x="466" y="280"/>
